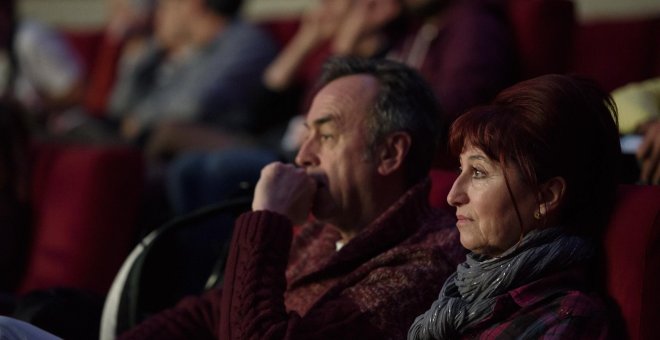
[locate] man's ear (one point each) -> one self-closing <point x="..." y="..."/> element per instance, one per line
<point x="392" y="152"/>
<point x="552" y="195"/>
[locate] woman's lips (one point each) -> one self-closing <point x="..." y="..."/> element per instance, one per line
<point x="462" y="219"/>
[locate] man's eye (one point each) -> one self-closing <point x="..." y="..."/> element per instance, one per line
<point x="325" y="137"/>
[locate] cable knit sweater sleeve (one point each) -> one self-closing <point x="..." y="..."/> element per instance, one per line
<point x="192" y="318"/>
<point x="253" y="299"/>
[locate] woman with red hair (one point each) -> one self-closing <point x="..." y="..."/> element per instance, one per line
<point x="537" y="182"/>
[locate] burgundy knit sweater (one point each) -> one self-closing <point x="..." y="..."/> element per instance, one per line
<point x="372" y="288"/>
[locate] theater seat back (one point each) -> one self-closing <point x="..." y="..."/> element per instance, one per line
<point x="85" y="207"/>
<point x="543" y="31"/>
<point x="632" y="246"/>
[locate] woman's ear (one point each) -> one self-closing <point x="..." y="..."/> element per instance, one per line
<point x="392" y="152"/>
<point x="551" y="195"/>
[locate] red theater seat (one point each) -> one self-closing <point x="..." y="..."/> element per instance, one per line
<point x="85" y="205"/>
<point x="543" y="32"/>
<point x="632" y="245"/>
<point x="617" y="52"/>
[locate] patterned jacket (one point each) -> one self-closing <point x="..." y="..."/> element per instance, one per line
<point x="555" y="307"/>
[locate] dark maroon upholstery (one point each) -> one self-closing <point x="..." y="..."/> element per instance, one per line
<point x="543" y="31"/>
<point x="632" y="245"/>
<point x="85" y="204"/>
<point x="612" y="52"/>
<point x="615" y="53"/>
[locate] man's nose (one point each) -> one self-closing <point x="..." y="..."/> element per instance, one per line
<point x="307" y="155"/>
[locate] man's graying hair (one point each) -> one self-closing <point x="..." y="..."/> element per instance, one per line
<point x="404" y="102"/>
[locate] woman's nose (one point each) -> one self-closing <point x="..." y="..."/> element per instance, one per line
<point x="457" y="195"/>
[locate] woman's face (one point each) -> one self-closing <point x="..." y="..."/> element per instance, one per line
<point x="487" y="219"/>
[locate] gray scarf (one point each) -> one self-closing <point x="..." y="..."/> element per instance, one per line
<point x="470" y="293"/>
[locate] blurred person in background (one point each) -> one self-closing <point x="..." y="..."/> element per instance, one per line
<point x="124" y="39"/>
<point x="639" y="113"/>
<point x="204" y="66"/>
<point x="128" y="29"/>
<point x="37" y="67"/>
<point x="143" y="68"/>
<point x="464" y="49"/>
<point x="339" y="27"/>
<point x="194" y="83"/>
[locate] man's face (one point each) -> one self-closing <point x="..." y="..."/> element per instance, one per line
<point x="170" y="22"/>
<point x="336" y="151"/>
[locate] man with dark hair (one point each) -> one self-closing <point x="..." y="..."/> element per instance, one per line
<point x="400" y="100"/>
<point x="373" y="252"/>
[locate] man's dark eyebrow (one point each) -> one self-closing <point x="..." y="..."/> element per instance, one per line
<point x="320" y="121"/>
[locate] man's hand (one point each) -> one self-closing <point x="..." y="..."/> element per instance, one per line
<point x="130" y="128"/>
<point x="318" y="24"/>
<point x="648" y="154"/>
<point x="365" y="18"/>
<point x="286" y="190"/>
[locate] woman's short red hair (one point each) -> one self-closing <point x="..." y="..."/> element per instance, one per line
<point x="552" y="126"/>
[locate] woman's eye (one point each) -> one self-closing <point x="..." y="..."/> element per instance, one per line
<point x="476" y="173"/>
<point x="325" y="137"/>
